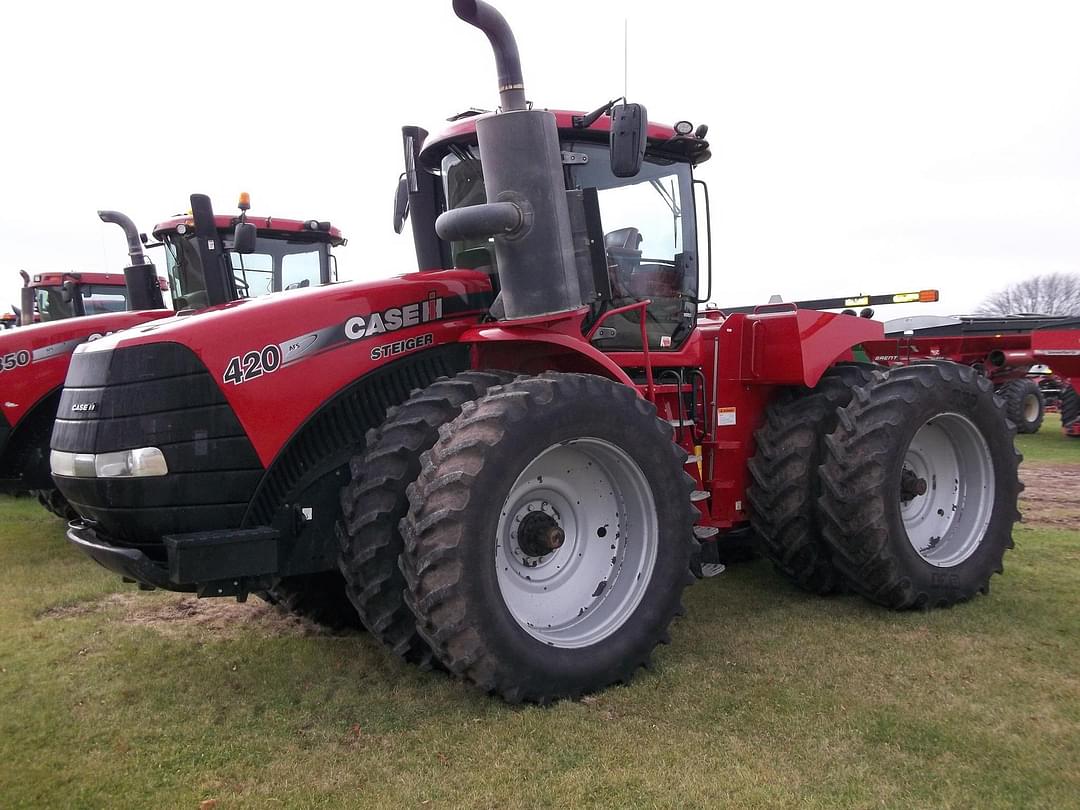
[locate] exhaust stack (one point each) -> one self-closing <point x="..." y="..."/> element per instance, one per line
<point x="144" y="292"/>
<point x="507" y="60"/>
<point x="526" y="212"/>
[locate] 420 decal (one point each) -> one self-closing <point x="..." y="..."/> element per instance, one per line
<point x="14" y="360"/>
<point x="255" y="363"/>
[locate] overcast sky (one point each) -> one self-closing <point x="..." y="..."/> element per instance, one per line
<point x="858" y="147"/>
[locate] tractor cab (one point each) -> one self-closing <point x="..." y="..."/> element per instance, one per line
<point x="636" y="235"/>
<point x="273" y="255"/>
<point x="56" y="296"/>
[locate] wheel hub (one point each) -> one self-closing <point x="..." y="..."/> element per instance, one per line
<point x="911" y="485"/>
<point x="539" y="534"/>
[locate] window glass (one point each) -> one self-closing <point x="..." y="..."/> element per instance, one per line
<point x="99" y="298"/>
<point x="254" y="273"/>
<point x="300" y="270"/>
<point x="51" y="305"/>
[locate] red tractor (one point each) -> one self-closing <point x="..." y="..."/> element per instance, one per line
<point x="51" y="297"/>
<point x="999" y="347"/>
<point x="273" y="254"/>
<point x="512" y="462"/>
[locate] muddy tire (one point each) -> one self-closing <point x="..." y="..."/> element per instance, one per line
<point x="902" y="534"/>
<point x="56" y="503"/>
<point x="784" y="477"/>
<point x="1070" y="406"/>
<point x="549" y="537"/>
<point x="320" y="598"/>
<point x="1025" y="404"/>
<point x="375" y="501"/>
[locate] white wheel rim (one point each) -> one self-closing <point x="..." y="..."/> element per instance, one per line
<point x="582" y="592"/>
<point x="946" y="522"/>
<point x="1031" y="408"/>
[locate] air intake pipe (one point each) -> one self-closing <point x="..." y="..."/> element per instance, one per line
<point x="526" y="211"/>
<point x="144" y="292"/>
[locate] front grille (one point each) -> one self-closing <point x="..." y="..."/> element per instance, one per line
<point x="155" y="395"/>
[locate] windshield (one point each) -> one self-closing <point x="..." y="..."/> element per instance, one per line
<point x="277" y="263"/>
<point x="95" y="299"/>
<point x="649" y="241"/>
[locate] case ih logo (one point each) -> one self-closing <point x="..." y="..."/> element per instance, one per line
<point x="394" y="318"/>
<point x="83" y="407"/>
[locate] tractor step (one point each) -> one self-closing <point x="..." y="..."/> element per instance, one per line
<point x="693" y="458"/>
<point x="698" y="495"/>
<point x="681" y="423"/>
<point x="712" y="569"/>
<point x="705" y="532"/>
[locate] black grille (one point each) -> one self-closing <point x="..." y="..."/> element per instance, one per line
<point x="156" y="395"/>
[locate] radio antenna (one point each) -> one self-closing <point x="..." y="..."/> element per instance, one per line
<point x="625" y="56"/>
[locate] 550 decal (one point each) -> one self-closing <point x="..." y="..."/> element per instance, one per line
<point x="253" y="364"/>
<point x="14" y="360"/>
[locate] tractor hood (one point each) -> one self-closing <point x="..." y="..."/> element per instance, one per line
<point x="263" y="352"/>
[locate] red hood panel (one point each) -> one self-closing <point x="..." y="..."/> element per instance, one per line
<point x="279" y="357"/>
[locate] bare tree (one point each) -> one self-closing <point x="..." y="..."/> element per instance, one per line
<point x="1050" y="294"/>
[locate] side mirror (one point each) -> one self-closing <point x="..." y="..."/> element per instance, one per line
<point x="244" y="237"/>
<point x="629" y="129"/>
<point x="401" y="203"/>
<point x="68" y="291"/>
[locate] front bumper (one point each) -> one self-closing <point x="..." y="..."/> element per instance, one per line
<point x="222" y="563"/>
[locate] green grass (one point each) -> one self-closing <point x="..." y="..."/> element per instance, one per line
<point x="1050" y="444"/>
<point x="767" y="697"/>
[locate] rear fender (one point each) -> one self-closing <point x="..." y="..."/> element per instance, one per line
<point x="792" y="347"/>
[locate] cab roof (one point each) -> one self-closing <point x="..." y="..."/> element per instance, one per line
<point x="662" y="139"/>
<point x="312" y="229"/>
<point x="103" y="279"/>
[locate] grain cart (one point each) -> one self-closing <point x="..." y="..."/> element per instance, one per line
<point x="1058" y="346"/>
<point x="499" y="452"/>
<point x="999" y="347"/>
<point x="34" y="359"/>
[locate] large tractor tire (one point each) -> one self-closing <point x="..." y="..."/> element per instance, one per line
<point x="1070" y="406"/>
<point x="1024" y="404"/>
<point x="920" y="487"/>
<point x="320" y="598"/>
<point x="56" y="503"/>
<point x="784" y="477"/>
<point x="374" y="503"/>
<point x="549" y="538"/>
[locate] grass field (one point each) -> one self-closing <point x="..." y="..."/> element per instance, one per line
<point x="114" y="698"/>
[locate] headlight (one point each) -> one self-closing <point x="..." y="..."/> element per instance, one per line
<point x="140" y="462"/>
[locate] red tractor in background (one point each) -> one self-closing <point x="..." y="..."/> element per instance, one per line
<point x="512" y="462"/>
<point x="273" y="254"/>
<point x="51" y="297"/>
<point x="998" y="347"/>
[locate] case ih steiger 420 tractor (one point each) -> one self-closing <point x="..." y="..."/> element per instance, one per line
<point x="518" y="457"/>
<point x="274" y="253"/>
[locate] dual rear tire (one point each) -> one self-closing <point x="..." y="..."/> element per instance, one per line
<point x="913" y="498"/>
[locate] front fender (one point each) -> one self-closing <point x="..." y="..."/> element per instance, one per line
<point x="531" y="350"/>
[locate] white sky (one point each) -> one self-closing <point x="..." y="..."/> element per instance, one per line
<point x="858" y="146"/>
